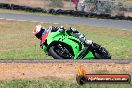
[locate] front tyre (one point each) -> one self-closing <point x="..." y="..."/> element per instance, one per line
<point x="59" y="51"/>
<point x="100" y="52"/>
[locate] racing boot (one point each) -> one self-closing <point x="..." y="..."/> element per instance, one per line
<point x="88" y="42"/>
<point x="72" y="30"/>
<point x="83" y="39"/>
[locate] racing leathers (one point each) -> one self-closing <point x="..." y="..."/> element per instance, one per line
<point x="73" y="32"/>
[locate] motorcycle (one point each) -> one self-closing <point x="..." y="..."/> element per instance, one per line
<point x="62" y="45"/>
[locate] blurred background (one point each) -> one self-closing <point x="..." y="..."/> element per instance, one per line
<point x="112" y="7"/>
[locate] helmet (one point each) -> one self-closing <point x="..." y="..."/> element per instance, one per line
<point x="38" y="30"/>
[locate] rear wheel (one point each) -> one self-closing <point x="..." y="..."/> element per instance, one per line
<point x="60" y="51"/>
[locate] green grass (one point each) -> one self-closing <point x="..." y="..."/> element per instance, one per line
<point x="23" y="12"/>
<point x="28" y="13"/>
<point x="55" y="84"/>
<point x="18" y="42"/>
<point x="126" y="0"/>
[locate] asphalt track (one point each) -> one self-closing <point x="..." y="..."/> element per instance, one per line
<point x="116" y="24"/>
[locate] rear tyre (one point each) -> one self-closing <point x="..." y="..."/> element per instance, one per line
<point x="59" y="51"/>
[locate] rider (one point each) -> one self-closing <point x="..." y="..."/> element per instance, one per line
<point x="40" y="31"/>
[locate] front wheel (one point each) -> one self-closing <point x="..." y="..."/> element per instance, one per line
<point x="60" y="51"/>
<point x="100" y="52"/>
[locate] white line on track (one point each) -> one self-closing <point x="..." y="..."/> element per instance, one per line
<point x="26" y="20"/>
<point x="36" y="21"/>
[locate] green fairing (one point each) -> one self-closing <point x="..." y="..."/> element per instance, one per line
<point x="63" y="37"/>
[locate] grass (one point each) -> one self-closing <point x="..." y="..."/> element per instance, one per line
<point x="24" y="12"/>
<point x="55" y="84"/>
<point x="126" y="0"/>
<point x="18" y="42"/>
<point x="29" y="13"/>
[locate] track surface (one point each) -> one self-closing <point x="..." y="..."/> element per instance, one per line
<point x="63" y="71"/>
<point x="122" y="24"/>
<point x="120" y="61"/>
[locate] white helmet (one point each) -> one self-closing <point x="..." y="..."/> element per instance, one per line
<point x="37" y="29"/>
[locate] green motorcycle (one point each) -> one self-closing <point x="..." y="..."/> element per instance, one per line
<point x="61" y="45"/>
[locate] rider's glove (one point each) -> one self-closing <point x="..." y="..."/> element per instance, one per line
<point x="72" y="30"/>
<point x="53" y="29"/>
<point x="50" y="28"/>
<point x="61" y="29"/>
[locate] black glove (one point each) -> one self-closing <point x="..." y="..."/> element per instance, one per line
<point x="53" y="29"/>
<point x="61" y="29"/>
